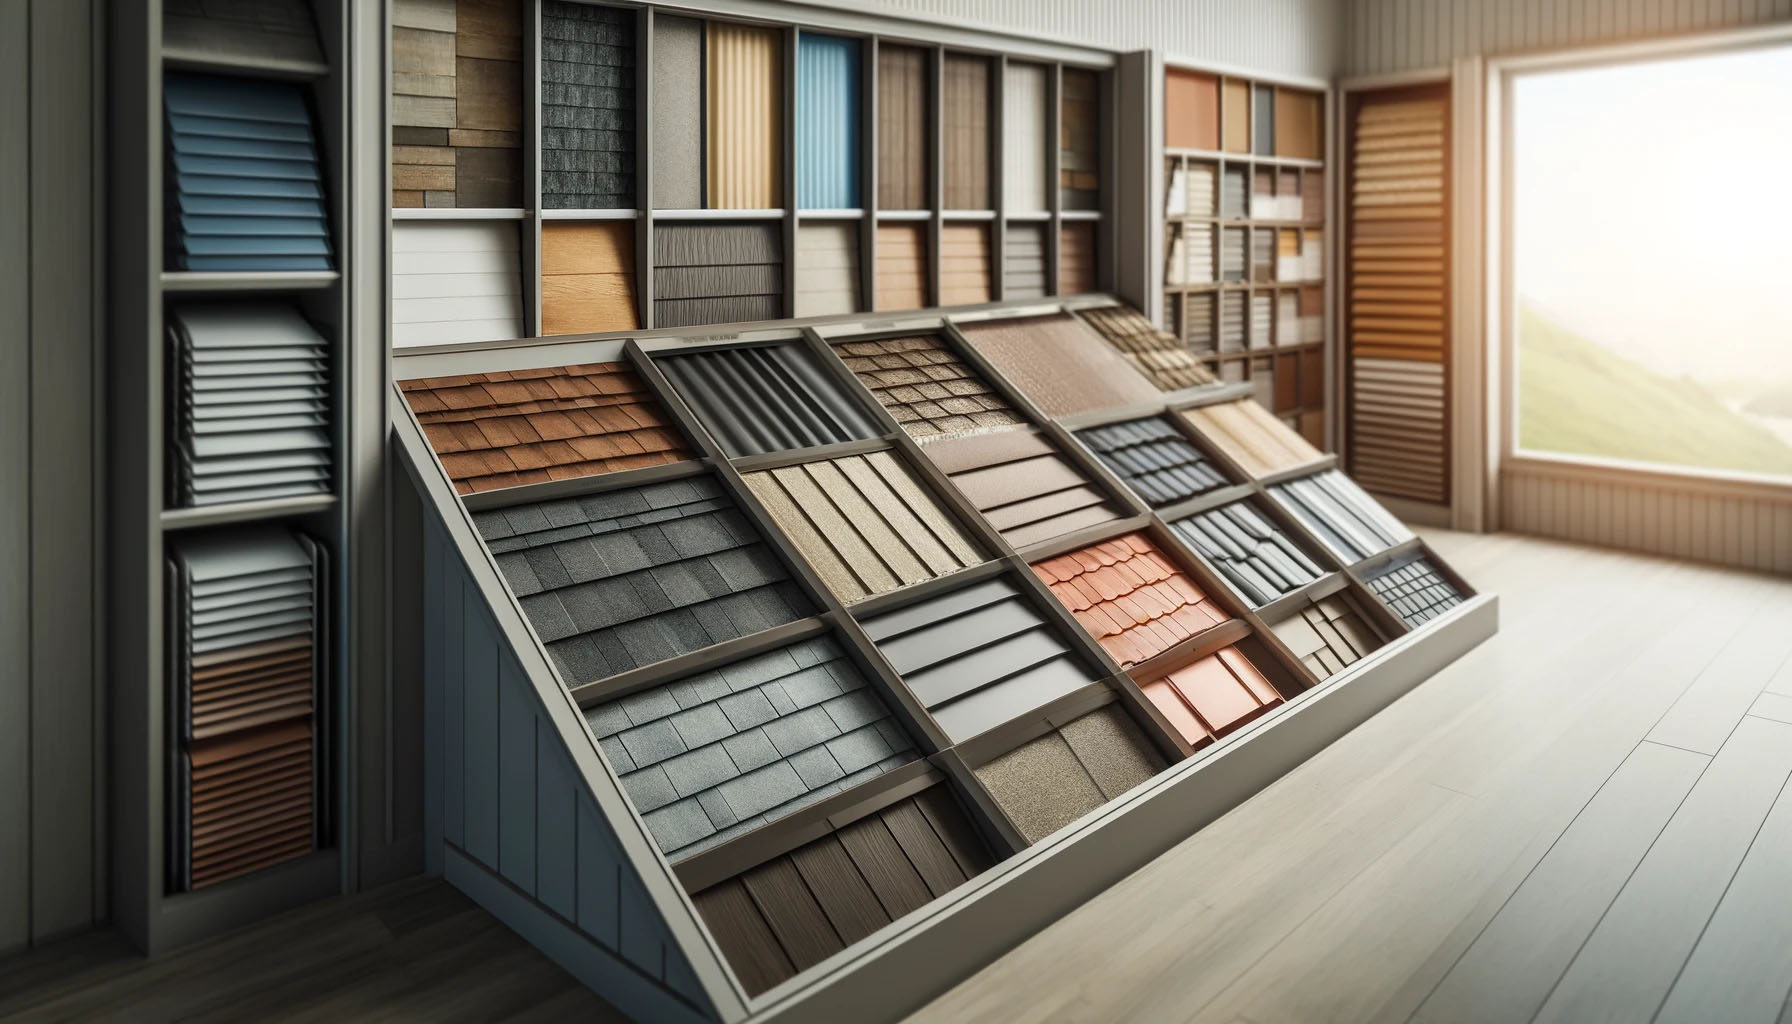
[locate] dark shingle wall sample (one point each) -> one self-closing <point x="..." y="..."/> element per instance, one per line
<point x="1212" y="696"/>
<point x="1129" y="596"/>
<point x="926" y="387"/>
<point x="1250" y="551"/>
<point x="717" y="273"/>
<point x="587" y="107"/>
<point x="1024" y="486"/>
<point x="1023" y="266"/>
<point x="715" y="755"/>
<point x="244" y="191"/>
<point x="1350" y="522"/>
<point x="620" y="579"/>
<point x="1327" y="635"/>
<point x="800" y="908"/>
<point x="1159" y="355"/>
<point x="1415" y="590"/>
<point x="978" y="656"/>
<point x="1047" y="783"/>
<point x="250" y="30"/>
<point x="766" y="398"/>
<point x="1155" y="459"/>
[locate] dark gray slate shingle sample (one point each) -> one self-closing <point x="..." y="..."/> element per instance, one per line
<point x="714" y="755"/>
<point x="1350" y="522"/>
<point x="620" y="579"/>
<point x="766" y="398"/>
<point x="1415" y="590"/>
<point x="717" y="273"/>
<point x="587" y="107"/>
<point x="1253" y="553"/>
<point x="1155" y="460"/>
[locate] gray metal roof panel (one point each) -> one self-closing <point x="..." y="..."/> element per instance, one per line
<point x="1260" y="560"/>
<point x="1415" y="590"/>
<point x="1155" y="460"/>
<point x="766" y="398"/>
<point x="1346" y="518"/>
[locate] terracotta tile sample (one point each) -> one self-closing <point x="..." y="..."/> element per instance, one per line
<point x="1155" y="459"/>
<point x="512" y="427"/>
<point x="1049" y="782"/>
<point x="624" y="578"/>
<point x="926" y="387"/>
<point x="1351" y="523"/>
<point x="1252" y="552"/>
<point x="1209" y="698"/>
<point x="1023" y="485"/>
<point x="1060" y="364"/>
<point x="864" y="522"/>
<point x="715" y="755"/>
<point x="766" y="398"/>
<point x="1327" y="635"/>
<point x="1158" y="354"/>
<point x="1251" y="436"/>
<point x="1415" y="590"/>
<point x="1129" y="596"/>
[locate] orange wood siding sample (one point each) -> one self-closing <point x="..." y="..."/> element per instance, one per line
<point x="901" y="266"/>
<point x="743" y="116"/>
<point x="1060" y="363"/>
<point x="1078" y="269"/>
<point x="966" y="133"/>
<point x="1191" y="110"/>
<point x="1300" y="121"/>
<point x="1213" y="696"/>
<point x="1251" y="437"/>
<point x="904" y="99"/>
<point x="965" y="265"/>
<point x="1130" y="596"/>
<point x="1079" y="145"/>
<point x="1235" y="116"/>
<point x="588" y="277"/>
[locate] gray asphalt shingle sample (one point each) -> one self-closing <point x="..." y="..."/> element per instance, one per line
<point x="711" y="756"/>
<point x="766" y="398"/>
<point x="1415" y="590"/>
<point x="1155" y="459"/>
<point x="620" y="579"/>
<point x="587" y="107"/>
<point x="1250" y="551"/>
<point x="1350" y="522"/>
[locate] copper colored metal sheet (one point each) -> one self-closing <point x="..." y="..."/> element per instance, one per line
<point x="1060" y="364"/>
<point x="1129" y="596"/>
<point x="1156" y="353"/>
<point x="1023" y="485"/>
<point x="1211" y="697"/>
<point x="926" y="387"/>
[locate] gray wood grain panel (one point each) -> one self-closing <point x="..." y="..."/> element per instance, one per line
<point x="479" y="729"/>
<point x="15" y="479"/>
<point x="677" y="113"/>
<point x="517" y="791"/>
<point x="556" y="827"/>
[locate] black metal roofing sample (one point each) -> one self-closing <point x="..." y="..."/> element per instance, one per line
<point x="714" y="755"/>
<point x="977" y="657"/>
<point x="1415" y="590"/>
<point x="1155" y="459"/>
<point x="620" y="579"/>
<point x="1253" y="553"/>
<point x="1350" y="522"/>
<point x="766" y="398"/>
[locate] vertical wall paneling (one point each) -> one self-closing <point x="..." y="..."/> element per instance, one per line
<point x="1079" y="135"/>
<point x="15" y="471"/>
<point x="1263" y="120"/>
<point x="677" y="112"/>
<point x="743" y="117"/>
<point x="1235" y="116"/>
<point x="827" y="128"/>
<point x="1191" y="110"/>
<point x="1024" y="128"/>
<point x="966" y="131"/>
<point x="903" y="146"/>
<point x="1299" y="128"/>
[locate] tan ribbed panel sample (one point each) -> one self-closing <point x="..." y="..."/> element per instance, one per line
<point x="827" y="268"/>
<point x="1235" y="116"/>
<point x="1396" y="319"/>
<point x="588" y="277"/>
<point x="1191" y="110"/>
<point x="743" y="101"/>
<point x="1299" y="121"/>
<point x="1251" y="436"/>
<point x="966" y="132"/>
<point x="965" y="264"/>
<point x="902" y="121"/>
<point x="1077" y="267"/>
<point x="901" y="266"/>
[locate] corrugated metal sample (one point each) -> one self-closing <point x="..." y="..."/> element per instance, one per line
<point x="1023" y="261"/>
<point x="766" y="398"/>
<point x="587" y="276"/>
<point x="1250" y="550"/>
<point x="966" y="132"/>
<point x="966" y="267"/>
<point x="1350" y="522"/>
<point x="1415" y="590"/>
<point x="1078" y="266"/>
<point x="1263" y="120"/>
<point x="512" y="427"/>
<point x="978" y="656"/>
<point x="1163" y="359"/>
<point x="1191" y="110"/>
<point x="247" y="31"/>
<point x="1212" y="696"/>
<point x="1129" y="596"/>
<point x="712" y="756"/>
<point x="904" y="142"/>
<point x="926" y="387"/>
<point x="827" y="268"/>
<point x="864" y="523"/>
<point x="1025" y="127"/>
<point x="1079" y="132"/>
<point x="457" y="104"/>
<point x="1235" y="116"/>
<point x="1155" y="459"/>
<point x="1047" y="783"/>
<point x="1059" y="363"/>
<point x="1251" y="436"/>
<point x="455" y="282"/>
<point x="619" y="579"/>
<point x="707" y="273"/>
<point x="743" y="117"/>
<point x="1023" y="485"/>
<point x="901" y="266"/>
<point x="827" y="122"/>
<point x="677" y="113"/>
<point x="1328" y="635"/>
<point x="587" y="107"/>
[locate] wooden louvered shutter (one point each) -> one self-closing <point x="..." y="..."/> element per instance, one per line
<point x="1396" y="333"/>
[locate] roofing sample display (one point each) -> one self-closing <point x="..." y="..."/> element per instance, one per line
<point x="711" y="756"/>
<point x="1252" y="437"/>
<point x="1212" y="696"/>
<point x="1327" y="635"/>
<point x="1046" y="784"/>
<point x="587" y="107"/>
<point x="1155" y="459"/>
<point x="799" y="908"/>
<point x="1350" y="522"/>
<point x="620" y="579"/>
<point x="1160" y="356"/>
<point x="717" y="273"/>
<point x="253" y="404"/>
<point x="268" y="31"/>
<point x="766" y="398"/>
<point x="457" y="104"/>
<point x="864" y="522"/>
<point x="1023" y="485"/>
<point x="587" y="277"/>
<point x="512" y="427"/>
<point x="1414" y="589"/>
<point x="1060" y="364"/>
<point x="978" y="656"/>
<point x="1249" y="550"/>
<point x="1129" y="596"/>
<point x="926" y="387"/>
<point x="455" y="281"/>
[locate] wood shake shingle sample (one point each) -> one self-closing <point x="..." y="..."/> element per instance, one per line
<point x="587" y="277"/>
<point x="457" y="104"/>
<point x="711" y="756"/>
<point x="1130" y="597"/>
<point x="864" y="522"/>
<point x="1252" y="552"/>
<point x="1327" y="635"/>
<point x="1212" y="696"/>
<point x="977" y="656"/>
<point x="1060" y="364"/>
<point x="799" y="908"/>
<point x="717" y="273"/>
<point x="1047" y="783"/>
<point x="926" y="387"/>
<point x="587" y="107"/>
<point x="1352" y="524"/>
<point x="1022" y="484"/>
<point x="1164" y="360"/>
<point x="1415" y="590"/>
<point x="512" y="427"/>
<point x="620" y="579"/>
<point x="455" y="282"/>
<point x="1155" y="459"/>
<point x="243" y="30"/>
<point x="766" y="398"/>
<point x="1251" y="436"/>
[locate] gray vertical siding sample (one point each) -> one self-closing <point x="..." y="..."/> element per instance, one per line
<point x="677" y="113"/>
<point x="1263" y="120"/>
<point x="766" y="398"/>
<point x="1023" y="267"/>
<point x="717" y="273"/>
<point x="587" y="107"/>
<point x="16" y="606"/>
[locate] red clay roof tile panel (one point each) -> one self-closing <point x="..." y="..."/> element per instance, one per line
<point x="1129" y="597"/>
<point x="1223" y="691"/>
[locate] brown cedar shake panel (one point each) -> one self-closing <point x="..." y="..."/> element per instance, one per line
<point x="766" y="398"/>
<point x="1060" y="364"/>
<point x="1327" y="635"/>
<point x="587" y="277"/>
<point x="512" y="427"/>
<point x="926" y="387"/>
<point x="967" y="132"/>
<point x="1165" y="361"/>
<point x="966" y="267"/>
<point x="901" y="266"/>
<point x="797" y="909"/>
<point x="903" y="102"/>
<point x="457" y="104"/>
<point x="1249" y="550"/>
<point x="1049" y="782"/>
<point x="1251" y="436"/>
<point x="677" y="113"/>
<point x="1130" y="597"/>
<point x="1191" y="110"/>
<point x="1415" y="590"/>
<point x="1023" y="485"/>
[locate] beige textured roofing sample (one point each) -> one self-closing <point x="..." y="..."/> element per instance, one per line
<point x="1252" y="436"/>
<point x="1159" y="355"/>
<point x="1063" y="366"/>
<point x="1047" y="783"/>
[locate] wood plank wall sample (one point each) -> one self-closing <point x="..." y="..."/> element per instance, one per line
<point x="1079" y="139"/>
<point x="708" y="273"/>
<point x="827" y="268"/>
<point x="1213" y="696"/>
<point x="1154" y="459"/>
<point x="1263" y="124"/>
<point x="455" y="282"/>
<point x="677" y="113"/>
<point x="902" y="270"/>
<point x="588" y="277"/>
<point x="1191" y="110"/>
<point x="1349" y="522"/>
<point x="587" y="107"/>
<point x="904" y="115"/>
<point x="1160" y="356"/>
<point x="457" y="104"/>
<point x="743" y="101"/>
<point x="1397" y="336"/>
<point x="1251" y="437"/>
<point x="1249" y="550"/>
<point x="1025" y="130"/>
<point x="1235" y="116"/>
<point x="1300" y="124"/>
<point x="926" y="387"/>
<point x="1059" y="363"/>
<point x="1328" y="635"/>
<point x="799" y="908"/>
<point x="966" y="133"/>
<point x="827" y="122"/>
<point x="1022" y="485"/>
<point x="1130" y="596"/>
<point x="967" y="269"/>
<point x="864" y="523"/>
<point x="241" y="30"/>
<point x="1047" y="783"/>
<point x="1415" y="590"/>
<point x="977" y="656"/>
<point x="609" y="588"/>
<point x="1078" y="259"/>
<point x="709" y="757"/>
<point x="513" y="427"/>
<point x="1023" y="261"/>
<point x="766" y="398"/>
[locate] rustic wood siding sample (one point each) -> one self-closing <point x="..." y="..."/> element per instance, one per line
<point x="708" y="273"/>
<point x="1130" y="596"/>
<point x="587" y="277"/>
<point x="902" y="270"/>
<point x="1049" y="782"/>
<point x="677" y="113"/>
<point x="587" y="107"/>
<point x="1059" y="363"/>
<point x="904" y="142"/>
<point x="926" y="387"/>
<point x="241" y="30"/>
<point x="423" y="102"/>
<point x="1213" y="696"/>
<point x="1300" y="124"/>
<point x="966" y="266"/>
<point x="1023" y="261"/>
<point x="1191" y="110"/>
<point x="512" y="427"/>
<point x="1328" y="635"/>
<point x="864" y="522"/>
<point x="1350" y="522"/>
<point x="1154" y="459"/>
<point x="1247" y="547"/>
<point x="742" y="117"/>
<point x="1078" y="260"/>
<point x="827" y="269"/>
<point x="455" y="282"/>
<point x="488" y="108"/>
<point x="1022" y="485"/>
<point x="1251" y="436"/>
<point x="1235" y="116"/>
<point x="1415" y="590"/>
<point x="966" y="133"/>
<point x="766" y="398"/>
<point x="1079" y="148"/>
<point x="1025" y="129"/>
<point x="827" y="123"/>
<point x="1160" y="356"/>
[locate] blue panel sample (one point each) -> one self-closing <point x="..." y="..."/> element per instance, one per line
<point x="827" y="123"/>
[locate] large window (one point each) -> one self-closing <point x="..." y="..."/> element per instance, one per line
<point x="1652" y="274"/>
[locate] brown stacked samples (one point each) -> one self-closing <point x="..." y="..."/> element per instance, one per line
<point x="457" y="103"/>
<point x="1165" y="361"/>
